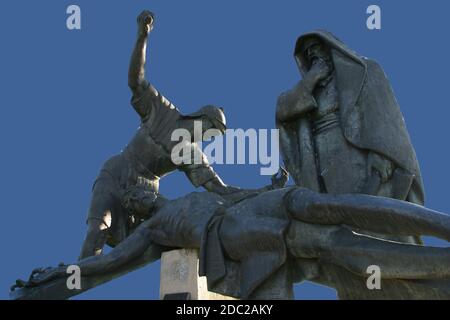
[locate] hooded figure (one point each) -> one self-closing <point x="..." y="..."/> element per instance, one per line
<point x="341" y="129"/>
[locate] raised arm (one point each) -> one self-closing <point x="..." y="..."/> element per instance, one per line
<point x="136" y="72"/>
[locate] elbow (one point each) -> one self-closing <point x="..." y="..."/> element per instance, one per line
<point x="137" y="84"/>
<point x="133" y="84"/>
<point x="281" y="114"/>
<point x="280" y="118"/>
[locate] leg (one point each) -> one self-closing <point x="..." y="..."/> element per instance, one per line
<point x="101" y="213"/>
<point x="376" y="214"/>
<point x="342" y="247"/>
<point x="351" y="286"/>
<point x="95" y="238"/>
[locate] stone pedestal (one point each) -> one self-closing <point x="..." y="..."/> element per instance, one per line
<point x="180" y="280"/>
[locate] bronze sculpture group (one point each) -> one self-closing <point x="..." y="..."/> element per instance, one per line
<point x="357" y="201"/>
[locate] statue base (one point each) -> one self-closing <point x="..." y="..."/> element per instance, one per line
<point x="180" y="280"/>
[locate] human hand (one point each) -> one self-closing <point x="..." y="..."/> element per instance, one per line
<point x="145" y="22"/>
<point x="280" y="179"/>
<point x="381" y="165"/>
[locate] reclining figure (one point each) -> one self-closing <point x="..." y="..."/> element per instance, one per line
<point x="250" y="244"/>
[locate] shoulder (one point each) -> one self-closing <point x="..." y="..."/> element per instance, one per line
<point x="373" y="66"/>
<point x="282" y="97"/>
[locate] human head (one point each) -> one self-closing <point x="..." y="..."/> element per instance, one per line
<point x="313" y="49"/>
<point x="211" y="117"/>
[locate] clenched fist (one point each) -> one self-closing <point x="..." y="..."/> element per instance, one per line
<point x="145" y="22"/>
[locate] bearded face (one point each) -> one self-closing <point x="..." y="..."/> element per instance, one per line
<point x="316" y="54"/>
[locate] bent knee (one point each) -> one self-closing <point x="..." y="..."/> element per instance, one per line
<point x="102" y="223"/>
<point x="97" y="232"/>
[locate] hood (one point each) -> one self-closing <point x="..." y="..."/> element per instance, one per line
<point x="334" y="45"/>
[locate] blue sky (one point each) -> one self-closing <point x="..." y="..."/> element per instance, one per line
<point x="64" y="103"/>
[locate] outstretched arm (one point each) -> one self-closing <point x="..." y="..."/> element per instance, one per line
<point x="128" y="251"/>
<point x="200" y="173"/>
<point x="136" y="72"/>
<point x="205" y="176"/>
